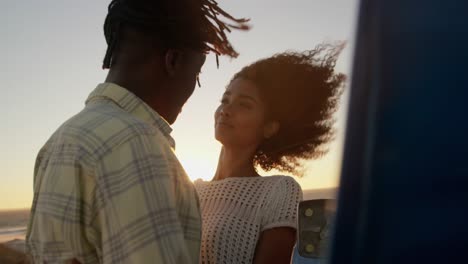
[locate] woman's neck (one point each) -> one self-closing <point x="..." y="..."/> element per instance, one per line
<point x="235" y="162"/>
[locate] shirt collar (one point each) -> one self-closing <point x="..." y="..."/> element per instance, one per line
<point x="133" y="105"/>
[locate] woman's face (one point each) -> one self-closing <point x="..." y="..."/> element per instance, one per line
<point x="240" y="120"/>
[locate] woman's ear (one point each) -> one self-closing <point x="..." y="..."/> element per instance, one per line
<point x="270" y="129"/>
<point x="173" y="60"/>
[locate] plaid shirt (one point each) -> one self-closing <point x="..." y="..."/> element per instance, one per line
<point x="109" y="189"/>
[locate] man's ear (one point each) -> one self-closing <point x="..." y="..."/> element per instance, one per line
<point x="270" y="129"/>
<point x="173" y="60"/>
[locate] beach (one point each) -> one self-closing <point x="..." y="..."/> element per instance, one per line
<point x="13" y="224"/>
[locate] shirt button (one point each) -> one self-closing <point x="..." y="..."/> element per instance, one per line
<point x="309" y="212"/>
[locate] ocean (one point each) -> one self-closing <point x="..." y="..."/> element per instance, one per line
<point x="13" y="224"/>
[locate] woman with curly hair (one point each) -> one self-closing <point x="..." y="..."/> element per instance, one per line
<point x="274" y="114"/>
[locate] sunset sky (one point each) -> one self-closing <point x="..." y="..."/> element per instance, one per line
<point x="52" y="54"/>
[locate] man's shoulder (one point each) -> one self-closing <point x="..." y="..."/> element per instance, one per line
<point x="101" y="125"/>
<point x="108" y="119"/>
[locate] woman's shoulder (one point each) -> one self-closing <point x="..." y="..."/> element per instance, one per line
<point x="269" y="179"/>
<point x="283" y="179"/>
<point x="200" y="183"/>
<point x="285" y="187"/>
<point x="275" y="181"/>
<point x="281" y="207"/>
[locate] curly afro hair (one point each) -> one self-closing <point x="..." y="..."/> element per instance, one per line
<point x="301" y="91"/>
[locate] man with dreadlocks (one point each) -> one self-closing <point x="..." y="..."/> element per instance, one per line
<point x="107" y="185"/>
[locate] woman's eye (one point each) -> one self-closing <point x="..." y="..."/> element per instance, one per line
<point x="224" y="101"/>
<point x="245" y="105"/>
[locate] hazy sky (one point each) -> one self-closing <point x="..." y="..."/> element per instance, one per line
<point x="52" y="54"/>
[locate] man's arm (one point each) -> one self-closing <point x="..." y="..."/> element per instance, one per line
<point x="60" y="211"/>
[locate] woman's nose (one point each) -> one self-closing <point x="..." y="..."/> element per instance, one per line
<point x="226" y="110"/>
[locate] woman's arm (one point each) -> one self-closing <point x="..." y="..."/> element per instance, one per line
<point x="275" y="246"/>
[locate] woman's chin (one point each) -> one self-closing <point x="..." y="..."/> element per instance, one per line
<point x="225" y="139"/>
<point x="220" y="137"/>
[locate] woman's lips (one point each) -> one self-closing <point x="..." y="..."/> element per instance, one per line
<point x="223" y="123"/>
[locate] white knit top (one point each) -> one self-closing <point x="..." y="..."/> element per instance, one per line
<point x="236" y="210"/>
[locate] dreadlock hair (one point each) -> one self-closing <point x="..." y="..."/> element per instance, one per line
<point x="177" y="23"/>
<point x="301" y="91"/>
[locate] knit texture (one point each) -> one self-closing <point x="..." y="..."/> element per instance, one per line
<point x="236" y="210"/>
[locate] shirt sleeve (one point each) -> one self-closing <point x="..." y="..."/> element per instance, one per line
<point x="281" y="208"/>
<point x="61" y="209"/>
<point x="136" y="203"/>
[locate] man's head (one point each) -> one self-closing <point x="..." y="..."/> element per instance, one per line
<point x="157" y="47"/>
